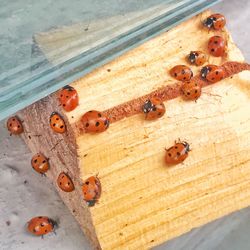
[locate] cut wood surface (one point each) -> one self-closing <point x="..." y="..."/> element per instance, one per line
<point x="143" y="202"/>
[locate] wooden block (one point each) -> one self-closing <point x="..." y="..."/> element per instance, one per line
<point x="143" y="202"/>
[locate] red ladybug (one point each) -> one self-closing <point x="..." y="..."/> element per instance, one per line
<point x="41" y="225"/>
<point x="212" y="73"/>
<point x="177" y="153"/>
<point x="153" y="109"/>
<point x="197" y="57"/>
<point x="68" y="98"/>
<point x="181" y="73"/>
<point x="40" y="163"/>
<point x="65" y="182"/>
<point x="14" y="125"/>
<point x="91" y="190"/>
<point x="191" y="90"/>
<point x="95" y="121"/>
<point x="216" y="46"/>
<point x="57" y="123"/>
<point x="215" y="21"/>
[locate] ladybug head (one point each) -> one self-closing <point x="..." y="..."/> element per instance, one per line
<point x="204" y="71"/>
<point x="209" y="22"/>
<point x="186" y="145"/>
<point x="53" y="223"/>
<point x="192" y="57"/>
<point x="147" y="107"/>
<point x="69" y="88"/>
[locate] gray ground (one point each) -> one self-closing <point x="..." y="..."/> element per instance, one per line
<point x="22" y="191"/>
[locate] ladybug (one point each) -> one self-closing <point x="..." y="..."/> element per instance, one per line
<point x="153" y="109"/>
<point x="14" y="125"/>
<point x="91" y="190"/>
<point x="57" y="123"/>
<point x="197" y="57"/>
<point x="181" y="73"/>
<point x="65" y="182"/>
<point x="95" y="121"/>
<point x="212" y="73"/>
<point x="215" y="21"/>
<point x="177" y="153"/>
<point x="40" y="163"/>
<point x="68" y="98"/>
<point x="41" y="225"/>
<point x="191" y="90"/>
<point x="216" y="46"/>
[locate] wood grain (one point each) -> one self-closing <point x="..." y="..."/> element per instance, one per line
<point x="143" y="202"/>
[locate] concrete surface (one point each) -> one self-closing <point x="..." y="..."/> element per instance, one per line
<point x="24" y="194"/>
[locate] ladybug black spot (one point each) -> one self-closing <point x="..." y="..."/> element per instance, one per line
<point x="42" y="225"/>
<point x="54" y="125"/>
<point x="34" y="230"/>
<point x="60" y="183"/>
<point x="178" y="153"/>
<point x="97" y="124"/>
<point x="64" y="105"/>
<point x="159" y="114"/>
<point x="67" y="96"/>
<point x="175" y="147"/>
<point x="175" y="74"/>
<point x="61" y="95"/>
<point x="35" y="160"/>
<point x="45" y="231"/>
<point x="188" y="93"/>
<point x="215" y="42"/>
<point x="10" y="124"/>
<point x="184" y="78"/>
<point x="62" y="126"/>
<point x="213" y="79"/>
<point x="13" y="119"/>
<point x="57" y="118"/>
<point x="87" y="182"/>
<point x="69" y="183"/>
<point x="217" y="73"/>
<point x="40" y="217"/>
<point x="154" y="108"/>
<point x="196" y="91"/>
<point x="44" y="161"/>
<point x="87" y="124"/>
<point x="169" y="155"/>
<point x="212" y="50"/>
<point x="18" y="126"/>
<point x="62" y="176"/>
<point x="99" y="115"/>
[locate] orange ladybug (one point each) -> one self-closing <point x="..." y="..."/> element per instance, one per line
<point x="14" y="125"/>
<point x="40" y="163"/>
<point x="215" y="21"/>
<point x="197" y="57"/>
<point x="212" y="73"/>
<point x="91" y="190"/>
<point x="68" y="98"/>
<point x="216" y="46"/>
<point x="57" y="123"/>
<point x="65" y="182"/>
<point x="153" y="109"/>
<point x="41" y="225"/>
<point x="95" y="122"/>
<point x="181" y="73"/>
<point x="177" y="153"/>
<point x="191" y="90"/>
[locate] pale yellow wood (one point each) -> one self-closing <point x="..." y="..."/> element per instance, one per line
<point x="143" y="202"/>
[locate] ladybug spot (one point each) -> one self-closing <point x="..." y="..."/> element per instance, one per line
<point x="87" y="182"/>
<point x="62" y="176"/>
<point x="196" y="84"/>
<point x="213" y="79"/>
<point x="169" y="155"/>
<point x="64" y="105"/>
<point x="175" y="74"/>
<point x="62" y="126"/>
<point x="188" y="93"/>
<point x="69" y="183"/>
<point x="212" y="50"/>
<point x="159" y="113"/>
<point x="183" y="71"/>
<point x="45" y="231"/>
<point x="35" y="160"/>
<point x="154" y="108"/>
<point x="18" y="126"/>
<point x="217" y="73"/>
<point x="54" y="125"/>
<point x="34" y="230"/>
<point x="57" y="118"/>
<point x="178" y="153"/>
<point x="215" y="42"/>
<point x="196" y="91"/>
<point x="61" y="95"/>
<point x="60" y="183"/>
<point x="42" y="225"/>
<point x="175" y="147"/>
<point x="67" y="96"/>
<point x="10" y="124"/>
<point x="40" y="217"/>
<point x="13" y="119"/>
<point x="184" y="78"/>
<point x="44" y="161"/>
<point x="99" y="115"/>
<point x="87" y="124"/>
<point x="97" y="124"/>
